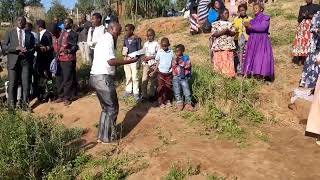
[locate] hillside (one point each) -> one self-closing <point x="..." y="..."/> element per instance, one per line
<point x="155" y="142"/>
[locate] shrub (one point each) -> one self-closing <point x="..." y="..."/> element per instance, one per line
<point x="225" y="102"/>
<point x="31" y="147"/>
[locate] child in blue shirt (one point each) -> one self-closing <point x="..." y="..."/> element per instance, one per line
<point x="181" y="70"/>
<point x="164" y="57"/>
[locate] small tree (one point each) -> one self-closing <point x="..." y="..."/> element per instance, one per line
<point x="57" y="9"/>
<point x="85" y="6"/>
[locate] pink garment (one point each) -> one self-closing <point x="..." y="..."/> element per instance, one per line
<point x="313" y="125"/>
<point x="233" y="8"/>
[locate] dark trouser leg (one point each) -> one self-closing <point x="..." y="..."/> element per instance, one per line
<point x="67" y="84"/>
<point x="106" y="92"/>
<point x="59" y="81"/>
<point x="168" y="88"/>
<point x="91" y="55"/>
<point x="12" y="87"/>
<point x="161" y="89"/>
<point x="25" y="78"/>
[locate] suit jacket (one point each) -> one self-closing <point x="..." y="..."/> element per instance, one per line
<point x="10" y="44"/>
<point x="44" y="58"/>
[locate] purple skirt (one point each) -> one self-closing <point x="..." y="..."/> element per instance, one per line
<point x="259" y="58"/>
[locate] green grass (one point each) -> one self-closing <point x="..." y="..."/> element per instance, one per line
<point x="215" y="177"/>
<point x="177" y="173"/>
<point x="283" y="38"/>
<point x="224" y="103"/>
<point x="112" y="167"/>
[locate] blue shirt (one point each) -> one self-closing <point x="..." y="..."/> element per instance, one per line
<point x="165" y="59"/>
<point x="213" y="16"/>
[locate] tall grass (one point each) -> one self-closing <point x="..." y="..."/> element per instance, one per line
<point x="224" y="102"/>
<point x="30" y="147"/>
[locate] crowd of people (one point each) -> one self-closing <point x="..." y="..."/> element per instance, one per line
<point x="241" y="47"/>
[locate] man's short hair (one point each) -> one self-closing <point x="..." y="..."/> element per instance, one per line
<point x="41" y="23"/>
<point x="97" y="15"/>
<point x="131" y="27"/>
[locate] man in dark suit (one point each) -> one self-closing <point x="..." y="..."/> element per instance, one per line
<point x="44" y="58"/>
<point x="19" y="45"/>
<point x="66" y="75"/>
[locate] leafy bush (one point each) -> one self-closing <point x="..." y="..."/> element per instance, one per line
<point x="225" y="102"/>
<point x="31" y="147"/>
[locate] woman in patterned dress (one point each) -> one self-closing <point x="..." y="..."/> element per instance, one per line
<point x="303" y="35"/>
<point x="223" y="45"/>
<point x="311" y="68"/>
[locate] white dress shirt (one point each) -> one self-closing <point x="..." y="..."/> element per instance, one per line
<point x="23" y="36"/>
<point x="97" y="34"/>
<point x="104" y="51"/>
<point x="151" y="50"/>
<point x="41" y="34"/>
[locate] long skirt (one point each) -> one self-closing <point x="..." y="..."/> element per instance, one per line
<point x="301" y="42"/>
<point x="313" y="125"/>
<point x="223" y="62"/>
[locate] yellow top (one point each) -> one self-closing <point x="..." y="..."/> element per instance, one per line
<point x="238" y="23"/>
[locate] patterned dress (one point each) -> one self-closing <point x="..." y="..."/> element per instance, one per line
<point x="303" y="35"/>
<point x="223" y="49"/>
<point x="301" y="42"/>
<point x="311" y="68"/>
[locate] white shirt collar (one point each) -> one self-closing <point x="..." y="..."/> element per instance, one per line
<point x="43" y="31"/>
<point x="18" y="29"/>
<point x="68" y="30"/>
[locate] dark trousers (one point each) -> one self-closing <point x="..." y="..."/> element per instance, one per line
<point x="165" y="93"/>
<point x="66" y="80"/>
<point x="20" y="73"/>
<point x="91" y="55"/>
<point x="107" y="95"/>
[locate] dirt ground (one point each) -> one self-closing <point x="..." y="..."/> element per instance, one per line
<point x="166" y="139"/>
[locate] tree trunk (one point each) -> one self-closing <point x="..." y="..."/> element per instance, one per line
<point x="136" y="11"/>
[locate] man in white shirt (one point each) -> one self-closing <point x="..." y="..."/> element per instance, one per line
<point x="95" y="33"/>
<point x="102" y="79"/>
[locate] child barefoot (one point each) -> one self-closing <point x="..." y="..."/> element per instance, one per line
<point x="164" y="66"/>
<point x="149" y="63"/>
<point x="181" y="74"/>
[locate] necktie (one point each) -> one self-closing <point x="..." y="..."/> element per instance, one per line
<point x="20" y="38"/>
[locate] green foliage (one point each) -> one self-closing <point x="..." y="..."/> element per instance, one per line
<point x="58" y="10"/>
<point x="113" y="168"/>
<point x="9" y="10"/>
<point x="180" y="4"/>
<point x="215" y="177"/>
<point x="225" y="102"/>
<point x="283" y="38"/>
<point x="31" y="147"/>
<point x="85" y="6"/>
<point x="147" y="8"/>
<point x="177" y="173"/>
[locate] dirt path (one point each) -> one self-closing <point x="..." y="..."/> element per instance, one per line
<point x="165" y="139"/>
